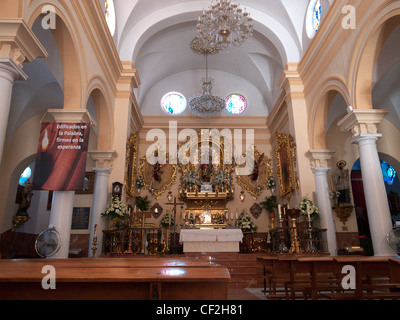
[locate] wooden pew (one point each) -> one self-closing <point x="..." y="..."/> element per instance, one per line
<point x="323" y="276"/>
<point x="372" y="279"/>
<point x="115" y="279"/>
<point x="266" y="271"/>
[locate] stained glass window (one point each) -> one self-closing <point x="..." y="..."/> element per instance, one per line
<point x="235" y="103"/>
<point x="317" y="15"/>
<point x="173" y="103"/>
<point x="110" y="15"/>
<point x="25" y="176"/>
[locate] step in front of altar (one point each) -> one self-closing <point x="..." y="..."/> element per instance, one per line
<point x="242" y="267"/>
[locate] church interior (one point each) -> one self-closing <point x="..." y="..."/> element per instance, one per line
<point x="200" y="150"/>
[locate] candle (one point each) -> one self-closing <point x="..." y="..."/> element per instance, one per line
<point x="308" y="210"/>
<point x="236" y="215"/>
<point x="95" y="231"/>
<point x="279" y="211"/>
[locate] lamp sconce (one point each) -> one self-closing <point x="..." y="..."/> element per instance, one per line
<point x="170" y="197"/>
<point x="242" y="196"/>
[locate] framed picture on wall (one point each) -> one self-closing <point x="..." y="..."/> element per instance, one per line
<point x="88" y="185"/>
<point x="80" y="218"/>
<point x="285" y="153"/>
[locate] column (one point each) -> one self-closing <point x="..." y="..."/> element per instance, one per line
<point x="363" y="125"/>
<point x="61" y="219"/>
<point x="103" y="164"/>
<point x="9" y="72"/>
<point x="319" y="163"/>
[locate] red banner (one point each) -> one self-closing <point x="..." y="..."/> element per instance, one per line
<point x="61" y="157"/>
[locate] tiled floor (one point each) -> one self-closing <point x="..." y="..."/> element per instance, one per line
<point x="245" y="294"/>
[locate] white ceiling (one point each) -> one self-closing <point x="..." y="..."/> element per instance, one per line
<point x="156" y="36"/>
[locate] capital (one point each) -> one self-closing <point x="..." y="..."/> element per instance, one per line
<point x="319" y="158"/>
<point x="19" y="43"/>
<point x="363" y="121"/>
<point x="103" y="159"/>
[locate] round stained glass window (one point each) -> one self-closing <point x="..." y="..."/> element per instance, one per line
<point x="173" y="103"/>
<point x="235" y="103"/>
<point x="317" y="15"/>
<point x="110" y="15"/>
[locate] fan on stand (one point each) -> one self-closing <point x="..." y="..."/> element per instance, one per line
<point x="48" y="242"/>
<point x="393" y="238"/>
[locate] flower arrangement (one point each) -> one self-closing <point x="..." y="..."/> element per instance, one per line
<point x="139" y="183"/>
<point x="334" y="195"/>
<point x="167" y="220"/>
<point x="306" y="207"/>
<point x="117" y="211"/>
<point x="271" y="183"/>
<point x="246" y="223"/>
<point x="221" y="178"/>
<point x="191" y="178"/>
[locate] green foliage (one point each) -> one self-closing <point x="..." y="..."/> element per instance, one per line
<point x="269" y="204"/>
<point x="142" y="203"/>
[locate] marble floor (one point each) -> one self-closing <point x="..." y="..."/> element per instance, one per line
<point x="245" y="294"/>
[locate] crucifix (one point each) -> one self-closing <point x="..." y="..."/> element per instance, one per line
<point x="174" y="249"/>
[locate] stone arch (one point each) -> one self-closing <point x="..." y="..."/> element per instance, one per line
<point x="320" y="108"/>
<point x="104" y="115"/>
<point x="69" y="47"/>
<point x="369" y="46"/>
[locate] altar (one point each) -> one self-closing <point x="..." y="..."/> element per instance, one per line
<point x="210" y="240"/>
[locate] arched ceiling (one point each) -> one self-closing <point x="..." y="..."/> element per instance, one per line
<point x="156" y="36"/>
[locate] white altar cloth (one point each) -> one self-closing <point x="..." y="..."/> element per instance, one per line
<point x="211" y="240"/>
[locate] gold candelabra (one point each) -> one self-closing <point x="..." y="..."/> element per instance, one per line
<point x="295" y="244"/>
<point x="94" y="244"/>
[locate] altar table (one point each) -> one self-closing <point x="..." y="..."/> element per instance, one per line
<point x="211" y="240"/>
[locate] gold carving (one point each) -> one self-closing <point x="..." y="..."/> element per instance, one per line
<point x="343" y="212"/>
<point x="255" y="186"/>
<point x="165" y="172"/>
<point x="131" y="164"/>
<point x="286" y="161"/>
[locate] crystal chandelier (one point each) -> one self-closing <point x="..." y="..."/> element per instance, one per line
<point x="205" y="105"/>
<point x="224" y="25"/>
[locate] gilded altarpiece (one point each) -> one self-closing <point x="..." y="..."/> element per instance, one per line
<point x="206" y="184"/>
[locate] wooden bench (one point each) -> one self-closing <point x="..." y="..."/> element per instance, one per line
<point x="111" y="279"/>
<point x="321" y="275"/>
<point x="373" y="279"/>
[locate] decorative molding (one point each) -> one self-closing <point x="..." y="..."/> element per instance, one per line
<point x="361" y="121"/>
<point x="319" y="158"/>
<point x="18" y="42"/>
<point x="103" y="159"/>
<point x="69" y="115"/>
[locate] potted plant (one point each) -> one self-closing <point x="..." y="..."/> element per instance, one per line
<point x="270" y="205"/>
<point x="142" y="203"/>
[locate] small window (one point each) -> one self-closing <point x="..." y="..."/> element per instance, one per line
<point x="25" y="176"/>
<point x="313" y="17"/>
<point x="235" y="103"/>
<point x="173" y="103"/>
<point x="110" y="15"/>
<point x="317" y="15"/>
